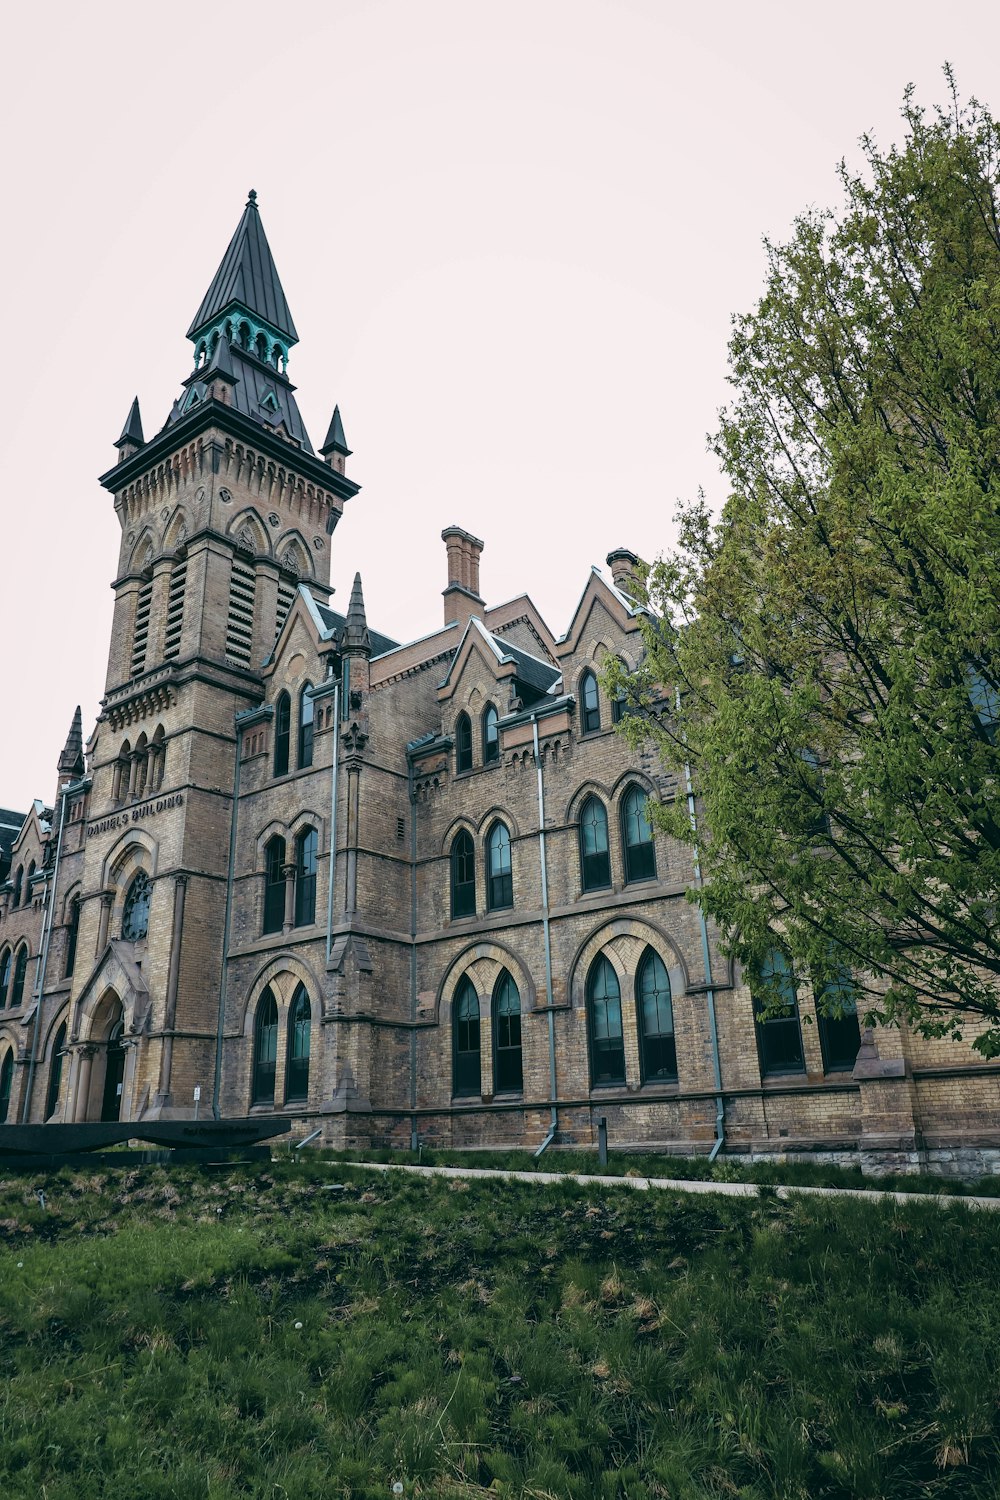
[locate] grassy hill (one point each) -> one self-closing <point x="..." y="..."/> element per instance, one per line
<point x="312" y="1330"/>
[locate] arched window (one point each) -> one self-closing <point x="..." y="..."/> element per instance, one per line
<point x="265" y="1048"/>
<point x="657" y="1048"/>
<point x="282" y="732"/>
<point x="157" y="759"/>
<point x="491" y="735"/>
<point x="6" y="1081"/>
<point x="305" y="877"/>
<point x="306" y="712"/>
<point x="5" y="967"/>
<point x="590" y="703"/>
<point x="55" y="1072"/>
<point x="839" y="1035"/>
<point x="122" y="773"/>
<point x="297" y="1066"/>
<point x="20" y="973"/>
<point x="27" y="883"/>
<point x="18" y="885"/>
<point x="135" y="912"/>
<point x="463" y="875"/>
<point x="500" y="881"/>
<point x="141" y="758"/>
<point x="508" y="1074"/>
<point x="274" y="886"/>
<point x="619" y="703"/>
<point x="779" y="1040"/>
<point x="604" y="1009"/>
<point x="465" y="1032"/>
<point x="72" y="933"/>
<point x="260" y="347"/>
<point x="595" y="861"/>
<point x="463" y="743"/>
<point x="637" y="836"/>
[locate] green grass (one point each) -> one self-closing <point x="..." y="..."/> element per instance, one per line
<point x="176" y="1334"/>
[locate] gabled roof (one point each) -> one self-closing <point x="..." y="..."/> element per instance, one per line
<point x="539" y="677"/>
<point x="333" y="626"/>
<point x="248" y="276"/>
<point x="595" y="585"/>
<point x="11" y="824"/>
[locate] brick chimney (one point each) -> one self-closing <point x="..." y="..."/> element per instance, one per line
<point x="462" y="598"/>
<point x="624" y="567"/>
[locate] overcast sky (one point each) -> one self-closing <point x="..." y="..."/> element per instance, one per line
<point x="511" y="236"/>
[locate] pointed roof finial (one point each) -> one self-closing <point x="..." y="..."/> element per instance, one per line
<point x="71" y="761"/>
<point x="132" y="431"/>
<point x="336" y="442"/>
<point x="356" y="636"/>
<point x="252" y="198"/>
<point x="247" y="278"/>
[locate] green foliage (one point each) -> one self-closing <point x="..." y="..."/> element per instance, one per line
<point x="830" y="648"/>
<point x="495" y="1339"/>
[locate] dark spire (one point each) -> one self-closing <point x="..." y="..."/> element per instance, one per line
<point x="356" y="637"/>
<point x="336" y="442"/>
<point x="221" y="362"/>
<point x="71" y="762"/>
<point x="132" y="431"/>
<point x="247" y="277"/>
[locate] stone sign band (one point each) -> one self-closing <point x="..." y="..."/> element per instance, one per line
<point x="134" y="814"/>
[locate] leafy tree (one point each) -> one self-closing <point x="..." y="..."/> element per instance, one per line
<point x="826" y="656"/>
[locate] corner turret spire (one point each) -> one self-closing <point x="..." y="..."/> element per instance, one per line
<point x="131" y="437"/>
<point x="356" y="636"/>
<point x="246" y="298"/>
<point x="71" y="761"/>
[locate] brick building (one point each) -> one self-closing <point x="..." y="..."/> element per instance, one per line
<point x="396" y="890"/>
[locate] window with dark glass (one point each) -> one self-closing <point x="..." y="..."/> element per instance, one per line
<point x="282" y="733"/>
<point x="619" y="703"/>
<point x="637" y="837"/>
<point x="465" y="1032"/>
<point x="20" y="974"/>
<point x="5" y="967"/>
<point x="306" y="714"/>
<point x="299" y="1027"/>
<point x="305" y="877"/>
<point x="463" y="743"/>
<point x="985" y="697"/>
<point x="265" y="1048"/>
<point x="508" y="1075"/>
<point x="657" y="1049"/>
<point x="491" y="735"/>
<point x="779" y="1039"/>
<point x="463" y="875"/>
<point x="590" y="702"/>
<point x="55" y="1072"/>
<point x="72" y="933"/>
<point x="500" y="881"/>
<point x="595" y="861"/>
<point x="6" y="1081"/>
<point x="135" y="912"/>
<point x="274" y="885"/>
<point x="18" y="883"/>
<point x="604" y="1010"/>
<point x="839" y="1032"/>
<point x="27" y="883"/>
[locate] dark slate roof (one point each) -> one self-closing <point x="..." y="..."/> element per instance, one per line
<point x="132" y="431"/>
<point x="249" y="276"/>
<point x="541" y="676"/>
<point x="334" y="621"/>
<point x="335" y="439"/>
<point x="11" y="824"/>
<point x="252" y="383"/>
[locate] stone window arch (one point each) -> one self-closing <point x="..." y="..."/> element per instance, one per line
<point x="655" y="1020"/>
<point x="6" y="1083"/>
<point x="595" y="849"/>
<point x="265" y="1048"/>
<point x="508" y="1068"/>
<point x="491" y="735"/>
<point x="274" y="884"/>
<point x="282" y="733"/>
<point x="463" y="743"/>
<point x="6" y="968"/>
<point x="499" y="870"/>
<point x="306" y="716"/>
<point x="55" y="1071"/>
<point x="637" y="836"/>
<point x="20" y="974"/>
<point x="135" y="908"/>
<point x="604" y="1024"/>
<point x="298" y="1048"/>
<point x="462" y="862"/>
<point x="590" y="703"/>
<point x="466" y="1054"/>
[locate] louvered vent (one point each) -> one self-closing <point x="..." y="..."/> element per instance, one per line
<point x="239" y="626"/>
<point x="286" y="594"/>
<point x="140" y="636"/>
<point x="175" y="610"/>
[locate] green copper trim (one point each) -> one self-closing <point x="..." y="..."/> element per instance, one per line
<point x="230" y="323"/>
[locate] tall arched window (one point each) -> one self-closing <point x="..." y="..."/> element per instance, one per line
<point x="6" y="961"/>
<point x="18" y="885"/>
<point x="274" y="884"/>
<point x="6" y="1081"/>
<point x="590" y="703"/>
<point x="305" y="877"/>
<point x="657" y="1048"/>
<point x="463" y="875"/>
<point x="27" y="883"/>
<point x="282" y="732"/>
<point x="20" y="973"/>
<point x="135" y="912"/>
<point x="306" y="712"/>
<point x="508" y="1074"/>
<point x="265" y="1048"/>
<point x="637" y="836"/>
<point x="55" y="1072"/>
<point x="839" y="1035"/>
<point x="779" y="1039"/>
<point x="72" y="933"/>
<point x="595" y="861"/>
<point x="299" y="1028"/>
<point x="491" y="735"/>
<point x="500" y="880"/>
<point x="465" y="1034"/>
<point x="463" y="743"/>
<point x="604" y="1009"/>
<point x="619" y="703"/>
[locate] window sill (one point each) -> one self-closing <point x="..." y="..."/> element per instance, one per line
<point x="782" y="1075"/>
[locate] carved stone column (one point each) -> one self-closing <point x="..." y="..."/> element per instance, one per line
<point x="289" y="873"/>
<point x="107" y="902"/>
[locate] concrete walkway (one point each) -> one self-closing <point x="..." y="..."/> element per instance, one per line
<point x="677" y="1185"/>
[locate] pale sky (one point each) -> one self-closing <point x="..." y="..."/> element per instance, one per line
<point x="511" y="236"/>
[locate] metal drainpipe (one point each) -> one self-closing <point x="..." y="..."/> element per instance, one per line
<point x="414" y="1140"/>
<point x="547" y="936"/>
<point x="43" y="960"/>
<point x="333" y="822"/>
<point x="220" y="1024"/>
<point x="720" y="1109"/>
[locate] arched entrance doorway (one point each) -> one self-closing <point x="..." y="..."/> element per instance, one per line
<point x="102" y="1063"/>
<point x="114" y="1074"/>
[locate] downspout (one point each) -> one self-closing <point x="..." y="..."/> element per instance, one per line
<point x="333" y="822"/>
<point x="220" y="1024"/>
<point x="547" y="939"/>
<point x="414" y="1140"/>
<point x="720" y="1109"/>
<point x="43" y="959"/>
